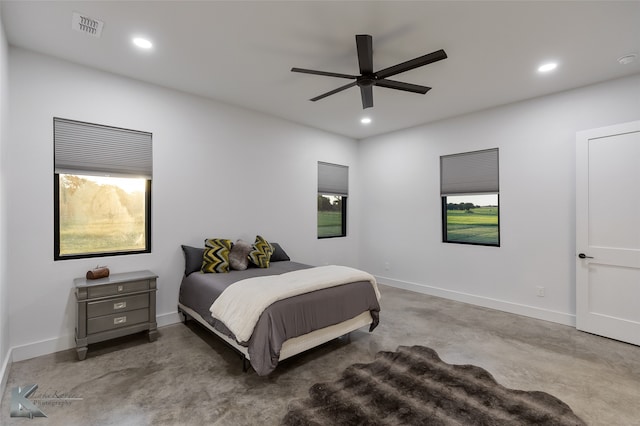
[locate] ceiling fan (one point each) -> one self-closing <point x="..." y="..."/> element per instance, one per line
<point x="367" y="78"/>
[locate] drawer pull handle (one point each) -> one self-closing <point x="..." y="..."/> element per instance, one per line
<point x="120" y="305"/>
<point x="119" y="320"/>
<point x="120" y="287"/>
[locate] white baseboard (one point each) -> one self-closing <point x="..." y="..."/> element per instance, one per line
<point x="49" y="346"/>
<point x="486" y="302"/>
<point x="4" y="371"/>
<point x="43" y="347"/>
<point x="168" y="319"/>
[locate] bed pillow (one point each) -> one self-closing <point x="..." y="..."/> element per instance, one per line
<point x="239" y="255"/>
<point x="279" y="254"/>
<point x="261" y="252"/>
<point x="216" y="255"/>
<point x="192" y="259"/>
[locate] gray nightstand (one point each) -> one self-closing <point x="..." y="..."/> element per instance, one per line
<point x="115" y="306"/>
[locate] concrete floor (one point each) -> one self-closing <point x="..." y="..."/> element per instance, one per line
<point x="189" y="377"/>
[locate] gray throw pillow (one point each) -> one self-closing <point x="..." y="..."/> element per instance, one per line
<point x="239" y="256"/>
<point x="192" y="259"/>
<point x="279" y="254"/>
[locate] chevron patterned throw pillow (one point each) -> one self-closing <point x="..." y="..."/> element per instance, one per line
<point x="261" y="252"/>
<point x="216" y="255"/>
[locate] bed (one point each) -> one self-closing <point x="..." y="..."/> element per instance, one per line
<point x="268" y="314"/>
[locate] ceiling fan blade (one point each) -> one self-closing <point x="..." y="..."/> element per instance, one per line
<point x="367" y="96"/>
<point x="364" y="44"/>
<point x="339" y="89"/>
<point x="407" y="87"/>
<point x="325" y="73"/>
<point x="438" y="55"/>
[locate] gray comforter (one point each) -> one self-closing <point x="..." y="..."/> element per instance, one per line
<point x="285" y="318"/>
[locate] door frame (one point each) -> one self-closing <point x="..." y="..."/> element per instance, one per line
<point x="585" y="321"/>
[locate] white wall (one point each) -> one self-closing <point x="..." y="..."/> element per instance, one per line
<point x="218" y="171"/>
<point x="265" y="172"/>
<point x="536" y="141"/>
<point x="4" y="282"/>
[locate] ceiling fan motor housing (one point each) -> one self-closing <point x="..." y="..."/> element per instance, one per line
<point x="366" y="80"/>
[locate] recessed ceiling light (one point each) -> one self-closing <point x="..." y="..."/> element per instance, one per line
<point x="627" y="59"/>
<point x="142" y="43"/>
<point x="365" y="120"/>
<point x="549" y="66"/>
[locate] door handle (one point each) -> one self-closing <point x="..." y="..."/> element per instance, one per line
<point x="584" y="256"/>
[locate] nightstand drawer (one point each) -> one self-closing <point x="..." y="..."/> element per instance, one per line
<point x="113" y="321"/>
<point x="116" y="305"/>
<point x="117" y="288"/>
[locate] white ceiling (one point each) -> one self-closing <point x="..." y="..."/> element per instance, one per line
<point x="241" y="52"/>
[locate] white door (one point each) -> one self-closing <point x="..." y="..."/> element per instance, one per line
<point x="608" y="231"/>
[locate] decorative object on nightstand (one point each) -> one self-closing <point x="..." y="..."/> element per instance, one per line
<point x="98" y="272"/>
<point x="115" y="306"/>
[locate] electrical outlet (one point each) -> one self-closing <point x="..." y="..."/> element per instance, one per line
<point x="387" y="266"/>
<point x="540" y="291"/>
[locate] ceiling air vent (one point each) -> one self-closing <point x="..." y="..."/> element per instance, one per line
<point x="86" y="25"/>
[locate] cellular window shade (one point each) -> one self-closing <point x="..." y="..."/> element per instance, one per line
<point x="333" y="179"/>
<point x="85" y="147"/>
<point x="469" y="173"/>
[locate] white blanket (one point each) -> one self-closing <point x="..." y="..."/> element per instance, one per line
<point x="240" y="305"/>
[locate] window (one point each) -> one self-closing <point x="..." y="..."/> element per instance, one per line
<point x="469" y="188"/>
<point x="102" y="190"/>
<point x="333" y="188"/>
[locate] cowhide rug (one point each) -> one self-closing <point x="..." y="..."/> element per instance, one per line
<point x="413" y="386"/>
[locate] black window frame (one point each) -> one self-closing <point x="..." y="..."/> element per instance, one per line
<point x="56" y="221"/>
<point x="445" y="223"/>
<point x="343" y="211"/>
<point x="333" y="181"/>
